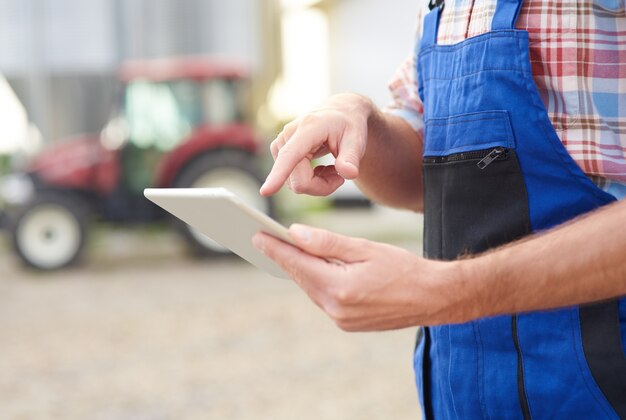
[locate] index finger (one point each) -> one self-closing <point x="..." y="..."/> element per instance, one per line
<point x="295" y="151"/>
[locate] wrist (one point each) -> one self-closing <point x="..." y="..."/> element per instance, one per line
<point x="482" y="296"/>
<point x="461" y="286"/>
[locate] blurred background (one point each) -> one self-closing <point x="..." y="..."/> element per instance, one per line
<point x="109" y="309"/>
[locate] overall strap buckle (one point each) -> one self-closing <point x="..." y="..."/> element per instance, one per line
<point x="436" y="3"/>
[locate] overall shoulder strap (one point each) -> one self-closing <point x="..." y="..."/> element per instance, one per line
<point x="431" y="27"/>
<point x="506" y="14"/>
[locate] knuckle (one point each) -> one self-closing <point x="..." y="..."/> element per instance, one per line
<point x="343" y="296"/>
<point x="293" y="268"/>
<point x="278" y="143"/>
<point x="293" y="271"/>
<point x="340" y="303"/>
<point x="298" y="187"/>
<point x="275" y="145"/>
<point x="309" y="119"/>
<point x="290" y="127"/>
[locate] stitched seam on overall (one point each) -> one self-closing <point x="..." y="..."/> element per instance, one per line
<point x="448" y="79"/>
<point x="480" y="368"/>
<point x="499" y="33"/>
<point x="478" y="39"/>
<point x="460" y="122"/>
<point x="449" y="376"/>
<point x="580" y="358"/>
<point x="509" y="138"/>
<point x="452" y="151"/>
<point x="431" y="376"/>
<point x="469" y="114"/>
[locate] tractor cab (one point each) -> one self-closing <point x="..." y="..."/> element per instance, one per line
<point x="179" y="123"/>
<point x="166" y="104"/>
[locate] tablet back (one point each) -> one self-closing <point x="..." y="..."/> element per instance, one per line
<point x="220" y="215"/>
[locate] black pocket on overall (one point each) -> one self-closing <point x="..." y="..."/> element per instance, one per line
<point x="474" y="192"/>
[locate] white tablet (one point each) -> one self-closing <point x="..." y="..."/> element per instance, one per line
<point x="223" y="217"/>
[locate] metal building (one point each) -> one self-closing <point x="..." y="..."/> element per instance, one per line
<point x="60" y="54"/>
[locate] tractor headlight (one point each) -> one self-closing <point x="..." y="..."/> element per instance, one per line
<point x="16" y="189"/>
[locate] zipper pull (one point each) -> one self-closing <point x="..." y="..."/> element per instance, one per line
<point x="493" y="155"/>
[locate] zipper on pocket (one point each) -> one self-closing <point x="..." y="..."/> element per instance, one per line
<point x="486" y="157"/>
<point x="496" y="153"/>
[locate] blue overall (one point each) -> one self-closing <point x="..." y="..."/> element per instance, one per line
<point x="494" y="170"/>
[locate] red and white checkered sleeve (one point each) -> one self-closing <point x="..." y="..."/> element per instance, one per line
<point x="405" y="101"/>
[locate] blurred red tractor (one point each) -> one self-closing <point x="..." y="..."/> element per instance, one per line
<point x="180" y="124"/>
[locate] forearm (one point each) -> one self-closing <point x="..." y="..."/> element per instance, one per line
<point x="579" y="262"/>
<point x="391" y="167"/>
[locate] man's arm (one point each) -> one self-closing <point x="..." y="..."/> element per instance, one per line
<point x="380" y="287"/>
<point x="382" y="152"/>
<point x="581" y="261"/>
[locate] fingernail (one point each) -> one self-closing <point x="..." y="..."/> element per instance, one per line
<point x="301" y="233"/>
<point x="354" y="170"/>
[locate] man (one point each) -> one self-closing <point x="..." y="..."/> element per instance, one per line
<point x="512" y="132"/>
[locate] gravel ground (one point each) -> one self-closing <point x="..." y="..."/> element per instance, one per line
<point x="139" y="331"/>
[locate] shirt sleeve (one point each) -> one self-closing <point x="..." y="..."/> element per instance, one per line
<point x="405" y="101"/>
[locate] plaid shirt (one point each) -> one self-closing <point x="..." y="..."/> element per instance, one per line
<point x="578" y="58"/>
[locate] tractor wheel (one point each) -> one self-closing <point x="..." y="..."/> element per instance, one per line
<point x="49" y="231"/>
<point x="230" y="169"/>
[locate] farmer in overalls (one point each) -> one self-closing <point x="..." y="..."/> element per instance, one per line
<point x="533" y="329"/>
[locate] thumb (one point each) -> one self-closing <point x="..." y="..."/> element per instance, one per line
<point x="350" y="153"/>
<point x="328" y="245"/>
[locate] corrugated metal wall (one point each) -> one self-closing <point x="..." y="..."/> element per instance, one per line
<point x="59" y="55"/>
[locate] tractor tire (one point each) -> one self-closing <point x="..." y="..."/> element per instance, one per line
<point x="226" y="168"/>
<point x="49" y="232"/>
